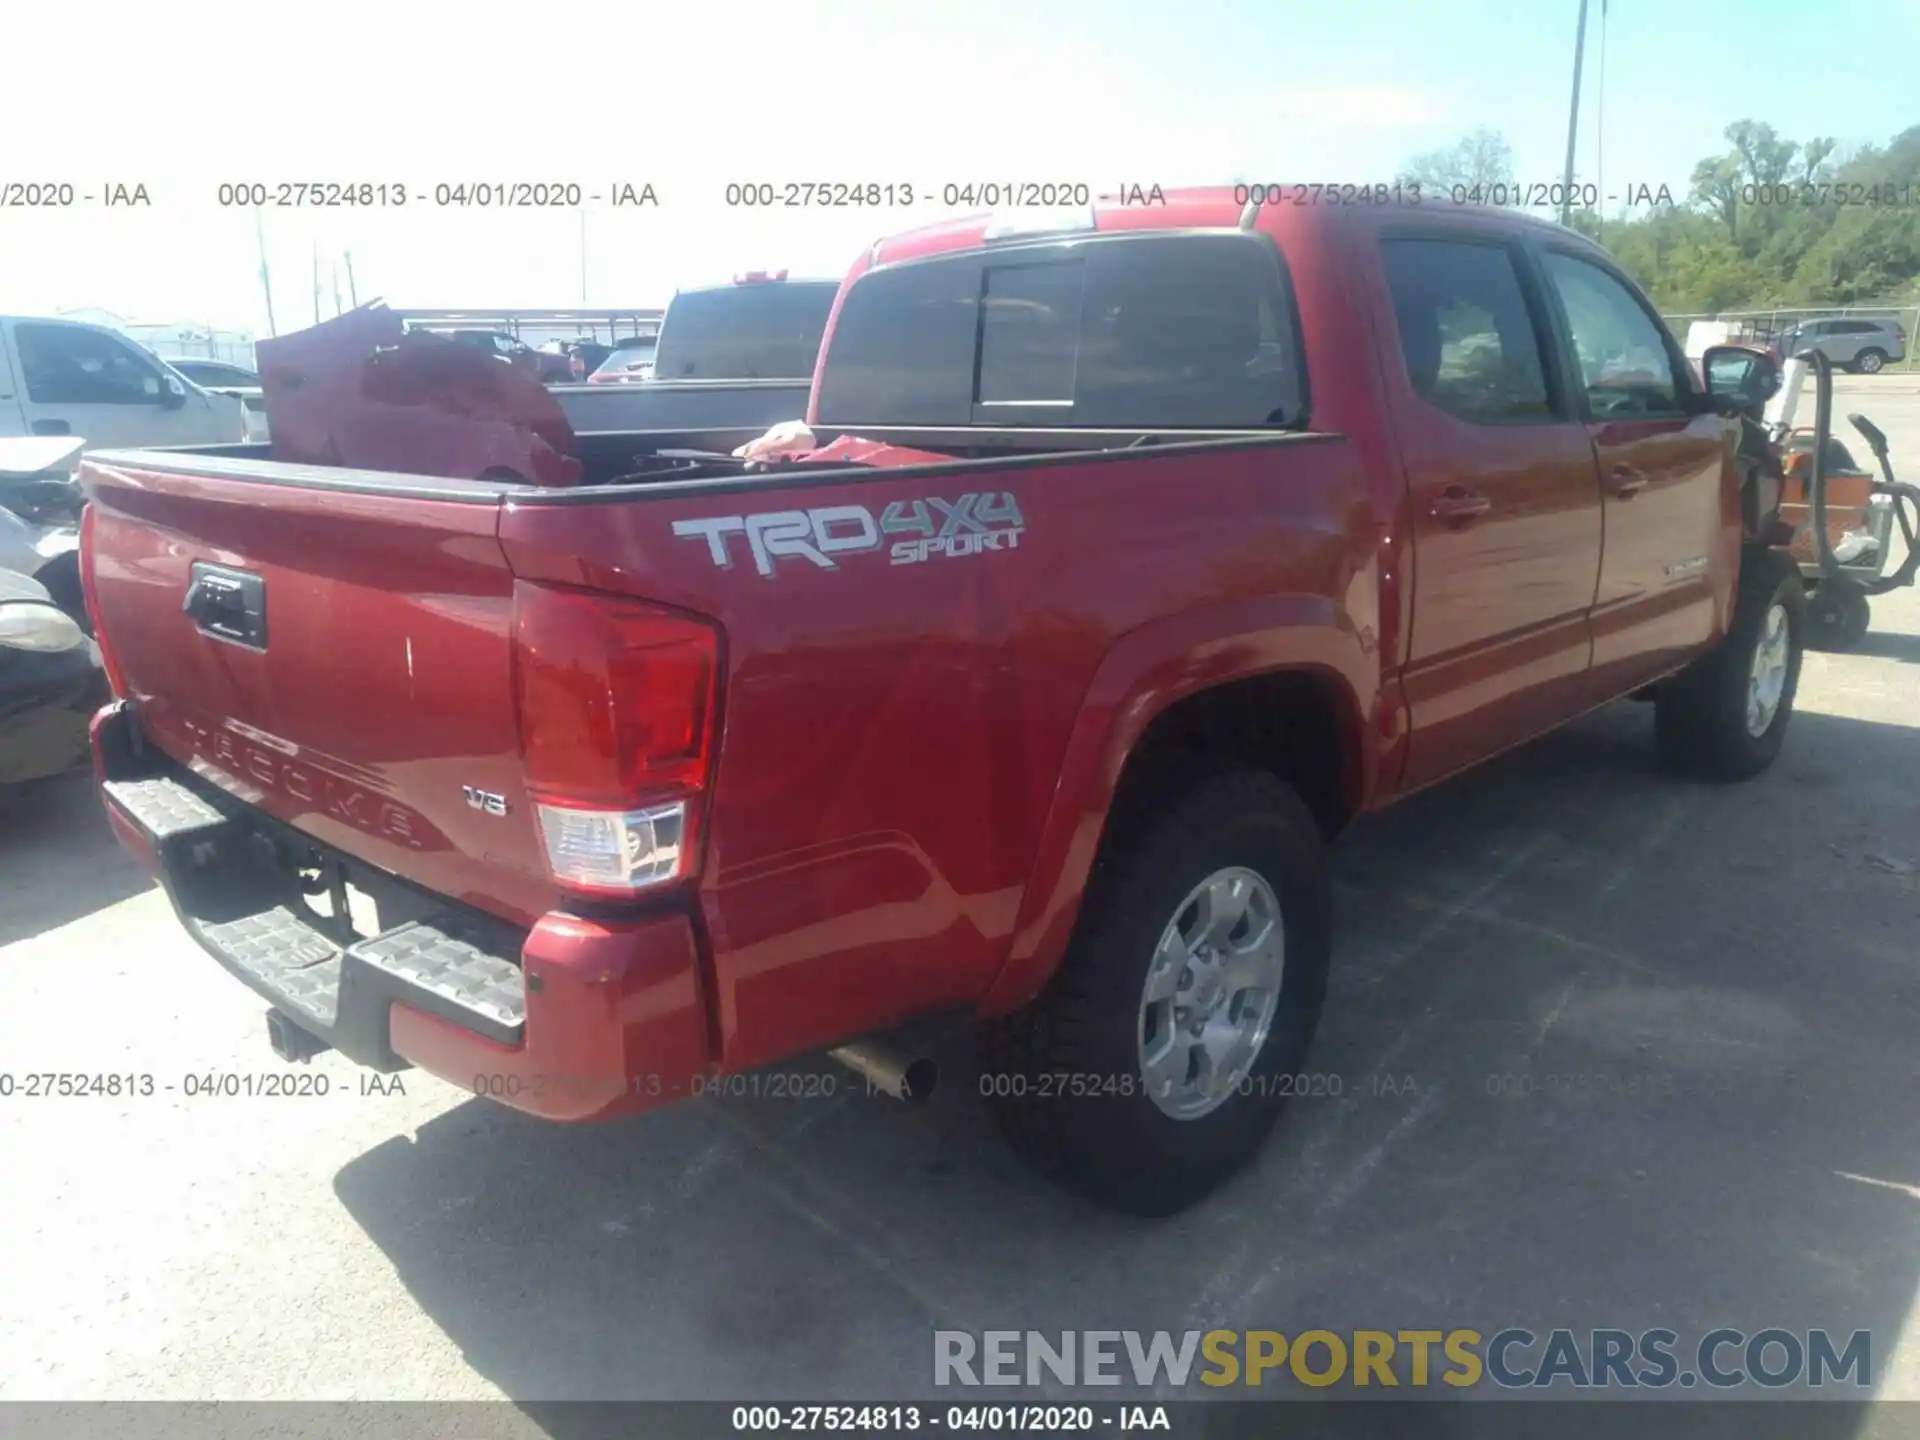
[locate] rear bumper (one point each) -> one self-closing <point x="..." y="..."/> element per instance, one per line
<point x="574" y="1019"/>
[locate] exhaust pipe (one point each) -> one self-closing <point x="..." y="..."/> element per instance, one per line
<point x="905" y="1077"/>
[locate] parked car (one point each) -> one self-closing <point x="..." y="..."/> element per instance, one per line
<point x="214" y="374"/>
<point x="546" y="365"/>
<point x="40" y="504"/>
<point x="584" y="357"/>
<point x="1866" y="346"/>
<point x="51" y="684"/>
<point x="222" y="378"/>
<point x="625" y="362"/>
<point x="60" y="377"/>
<point x="762" y="327"/>
<point x="1135" y="561"/>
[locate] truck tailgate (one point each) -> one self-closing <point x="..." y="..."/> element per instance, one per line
<point x="331" y="647"/>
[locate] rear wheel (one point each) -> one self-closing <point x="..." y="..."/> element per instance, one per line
<point x="1869" y="362"/>
<point x="1155" y="1063"/>
<point x="1725" y="716"/>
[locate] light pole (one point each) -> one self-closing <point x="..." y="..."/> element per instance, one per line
<point x="1573" y="116"/>
<point x="266" y="283"/>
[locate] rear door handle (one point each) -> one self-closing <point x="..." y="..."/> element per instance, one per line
<point x="1624" y="482"/>
<point x="1457" y="505"/>
<point x="52" y="427"/>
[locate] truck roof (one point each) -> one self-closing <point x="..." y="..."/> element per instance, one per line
<point x="799" y="281"/>
<point x="1209" y="207"/>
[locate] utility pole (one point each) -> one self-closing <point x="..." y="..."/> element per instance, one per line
<point x="266" y="283"/>
<point x="336" y="287"/>
<point x="353" y="291"/>
<point x="1573" y="116"/>
<point x="316" y="282"/>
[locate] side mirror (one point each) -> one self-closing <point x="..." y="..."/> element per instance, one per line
<point x="172" y="394"/>
<point x="1739" y="381"/>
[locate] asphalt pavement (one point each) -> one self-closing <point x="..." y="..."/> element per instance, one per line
<point x="1614" y="1050"/>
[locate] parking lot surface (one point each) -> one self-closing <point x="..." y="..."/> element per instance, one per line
<point x="1612" y="1050"/>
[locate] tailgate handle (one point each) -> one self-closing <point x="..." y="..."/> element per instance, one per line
<point x="228" y="605"/>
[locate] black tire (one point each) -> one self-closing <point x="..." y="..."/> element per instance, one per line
<point x="1870" y="361"/>
<point x="1700" y="717"/>
<point x="1838" y="618"/>
<point x="1063" y="1076"/>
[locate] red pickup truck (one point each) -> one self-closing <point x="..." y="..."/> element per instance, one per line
<point x="1140" y="557"/>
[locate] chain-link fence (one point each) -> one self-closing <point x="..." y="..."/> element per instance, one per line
<point x="187" y="341"/>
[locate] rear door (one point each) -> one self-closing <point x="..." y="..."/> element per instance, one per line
<point x="1662" y="456"/>
<point x="1506" y="505"/>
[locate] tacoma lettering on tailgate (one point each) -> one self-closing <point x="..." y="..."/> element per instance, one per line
<point x="970" y="525"/>
<point x="222" y="752"/>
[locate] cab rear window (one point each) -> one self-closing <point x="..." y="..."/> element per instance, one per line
<point x="1127" y="331"/>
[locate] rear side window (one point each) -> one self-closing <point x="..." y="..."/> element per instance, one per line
<point x="768" y="331"/>
<point x="1160" y="332"/>
<point x="1467" y="336"/>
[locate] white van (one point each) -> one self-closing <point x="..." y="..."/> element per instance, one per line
<point x="60" y="377"/>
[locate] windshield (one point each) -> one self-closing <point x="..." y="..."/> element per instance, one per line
<point x="768" y="331"/>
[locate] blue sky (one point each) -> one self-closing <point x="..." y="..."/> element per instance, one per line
<point x="692" y="96"/>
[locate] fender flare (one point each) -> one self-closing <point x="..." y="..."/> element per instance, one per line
<point x="1143" y="673"/>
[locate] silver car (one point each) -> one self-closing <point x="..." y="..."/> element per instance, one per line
<point x="1854" y="344"/>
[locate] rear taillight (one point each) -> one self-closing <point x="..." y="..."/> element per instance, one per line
<point x="616" y="704"/>
<point x="90" y="592"/>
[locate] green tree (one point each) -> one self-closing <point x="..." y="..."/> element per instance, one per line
<point x="1771" y="222"/>
<point x="1479" y="159"/>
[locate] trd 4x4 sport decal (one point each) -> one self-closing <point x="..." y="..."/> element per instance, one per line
<point x="974" y="523"/>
